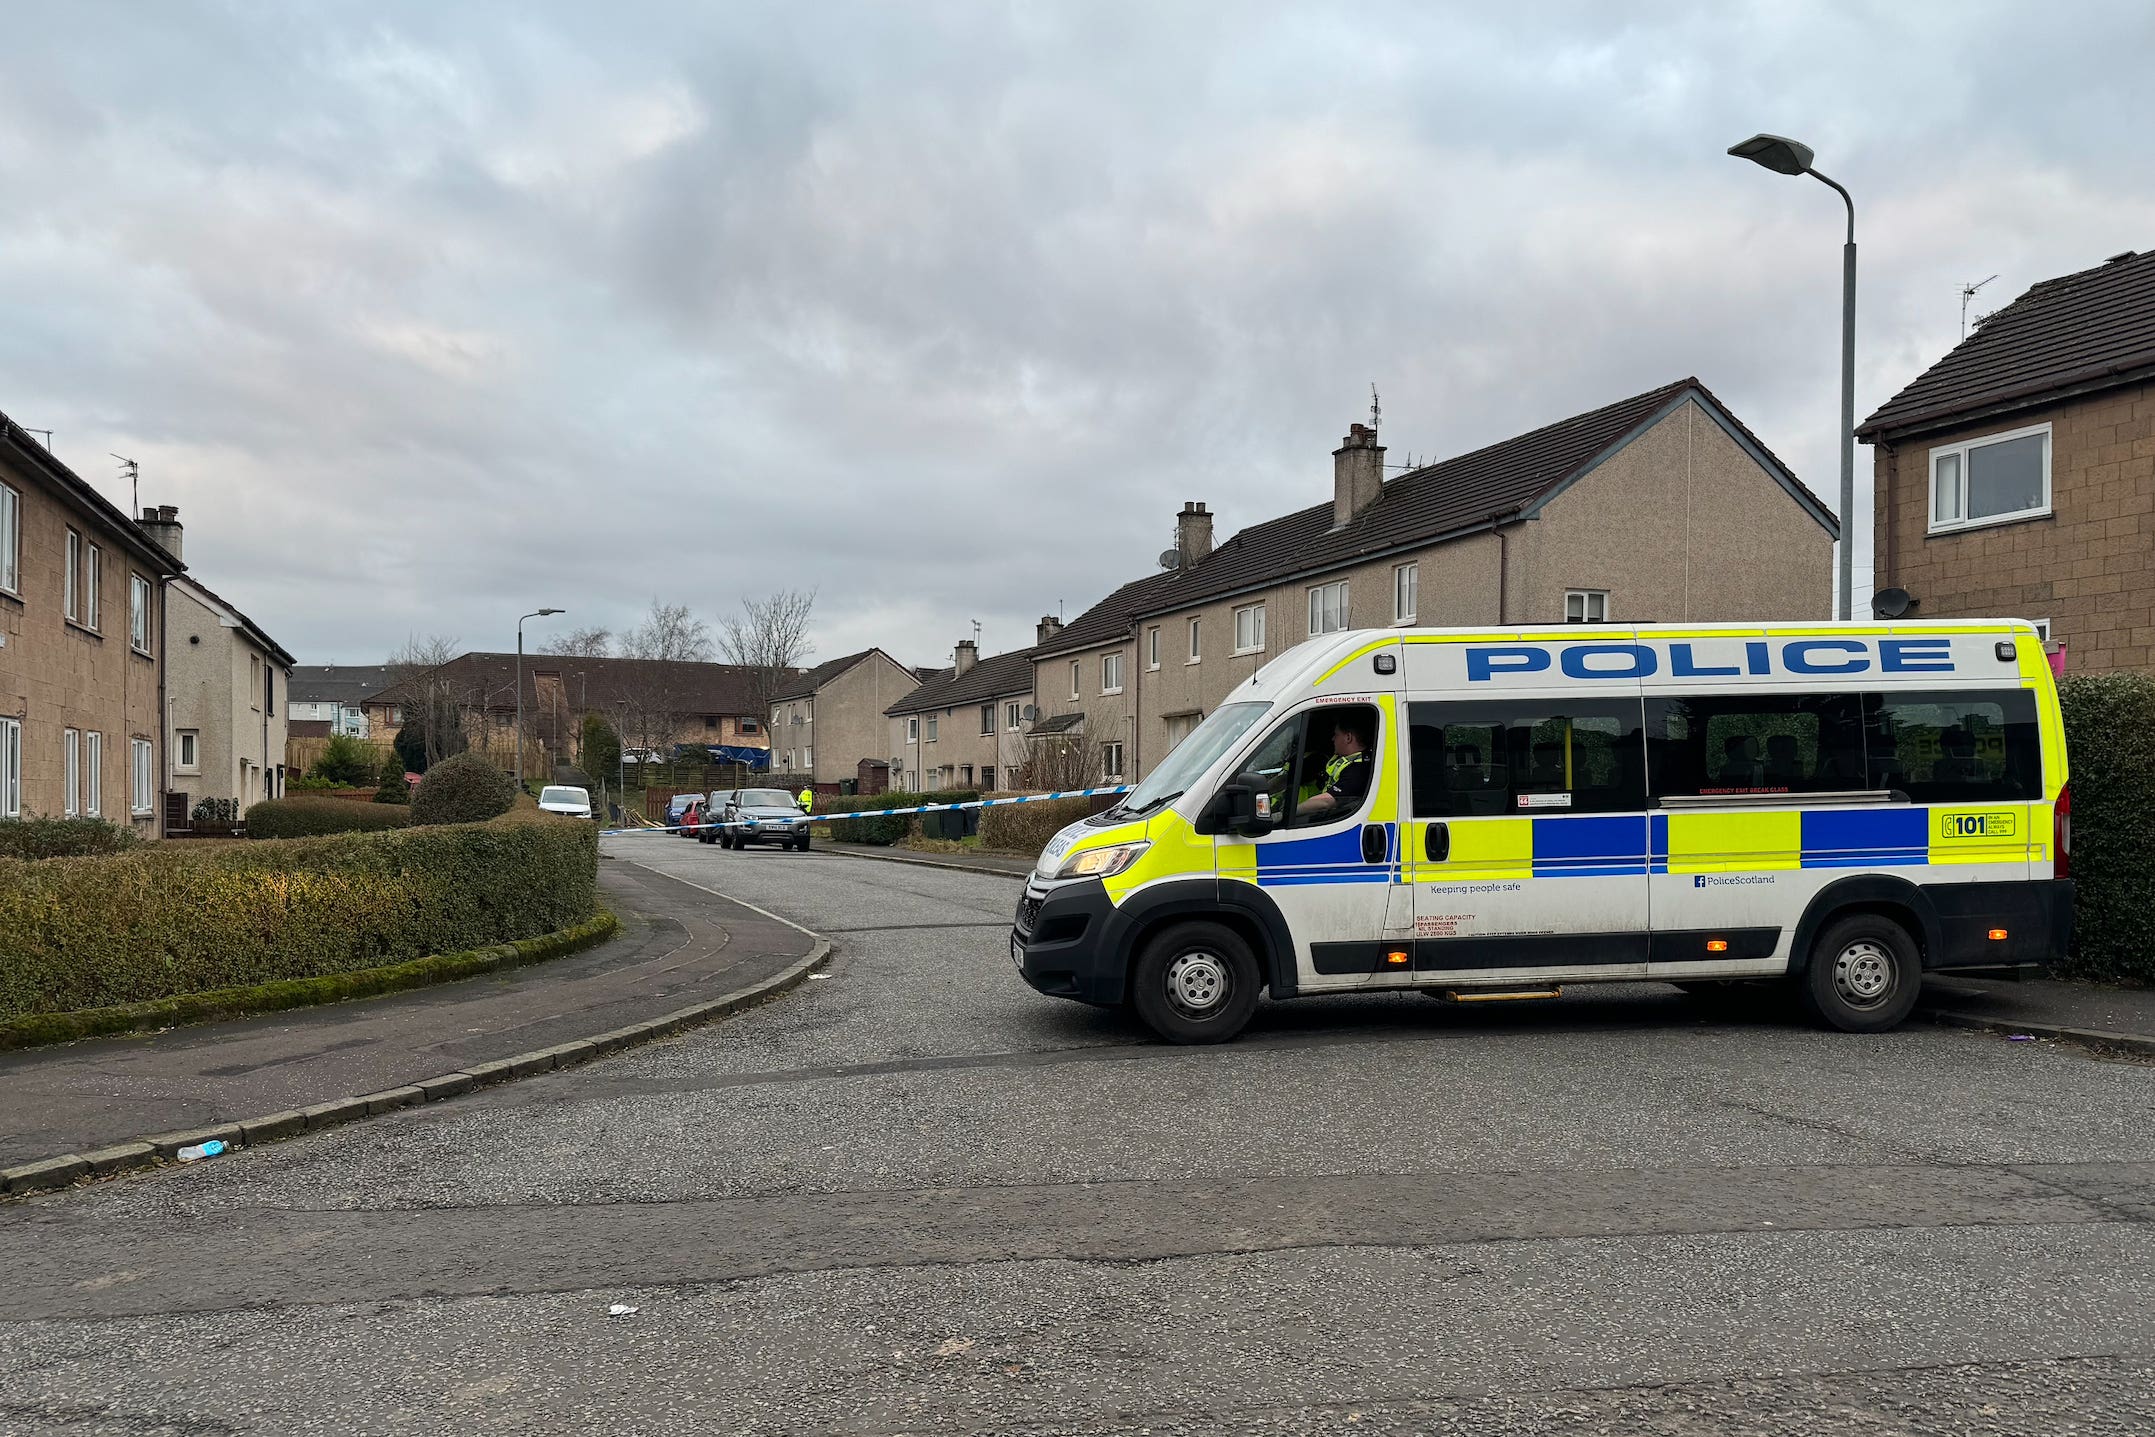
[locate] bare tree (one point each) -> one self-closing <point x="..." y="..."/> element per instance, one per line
<point x="592" y="643"/>
<point x="421" y="667"/>
<point x="1050" y="761"/>
<point x="655" y="697"/>
<point x="769" y="638"/>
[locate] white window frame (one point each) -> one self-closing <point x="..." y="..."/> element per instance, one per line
<point x="141" y="778"/>
<point x="1076" y="678"/>
<point x="1960" y="452"/>
<point x="71" y="772"/>
<point x="71" y="583"/>
<point x="1013" y="717"/>
<point x="254" y="688"/>
<point x="10" y="539"/>
<point x="1152" y="647"/>
<point x="93" y="803"/>
<point x="138" y="613"/>
<point x="1111" y="673"/>
<point x="1111" y="754"/>
<point x="1196" y="653"/>
<point x="1256" y="627"/>
<point x="808" y="757"/>
<point x="93" y="583"/>
<point x="1586" y="598"/>
<point x="1317" y="593"/>
<point x="1406" y="592"/>
<point x="987" y="719"/>
<point x="10" y="768"/>
<point x="2042" y="629"/>
<point x="912" y="728"/>
<point x="935" y="726"/>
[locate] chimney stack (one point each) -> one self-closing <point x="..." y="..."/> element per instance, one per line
<point x="1357" y="474"/>
<point x="1193" y="533"/>
<point x="968" y="655"/>
<point x="1048" y="627"/>
<point x="162" y="524"/>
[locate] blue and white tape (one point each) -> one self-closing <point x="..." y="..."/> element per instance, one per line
<point x="892" y="812"/>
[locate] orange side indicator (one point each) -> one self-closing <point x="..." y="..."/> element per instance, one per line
<point x="1717" y="945"/>
<point x="1997" y="935"/>
<point x="1397" y="958"/>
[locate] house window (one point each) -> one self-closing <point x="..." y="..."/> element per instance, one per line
<point x="1328" y="608"/>
<point x="1111" y="761"/>
<point x="965" y="775"/>
<point x="10" y="768"/>
<point x="72" y="583"/>
<point x="1250" y="629"/>
<point x="1196" y="641"/>
<point x="396" y="714"/>
<point x="987" y="777"/>
<point x="2042" y="629"/>
<point x="1991" y="480"/>
<point x="188" y="758"/>
<point x="138" y="789"/>
<point x="808" y="757"/>
<point x="93" y="802"/>
<point x="71" y="770"/>
<point x="1586" y="606"/>
<point x="1180" y="726"/>
<point x="1073" y="678"/>
<point x="10" y="539"/>
<point x="1406" y="592"/>
<point x="1152" y="647"/>
<point x="932" y="719"/>
<point x="748" y="725"/>
<point x="254" y="681"/>
<point x="987" y="720"/>
<point x="1013" y="716"/>
<point x="710" y="722"/>
<point x="912" y="730"/>
<point x="138" y="612"/>
<point x="93" y="583"/>
<point x="1111" y="673"/>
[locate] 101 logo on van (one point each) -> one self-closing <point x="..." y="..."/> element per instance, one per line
<point x="1999" y="823"/>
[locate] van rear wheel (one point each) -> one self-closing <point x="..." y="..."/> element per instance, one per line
<point x="1196" y="983"/>
<point x="1864" y="974"/>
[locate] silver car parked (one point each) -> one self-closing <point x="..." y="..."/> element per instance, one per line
<point x="752" y="815"/>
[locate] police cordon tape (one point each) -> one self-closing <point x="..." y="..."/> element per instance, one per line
<point x="890" y="812"/>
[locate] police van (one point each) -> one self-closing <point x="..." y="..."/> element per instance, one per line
<point x="1484" y="815"/>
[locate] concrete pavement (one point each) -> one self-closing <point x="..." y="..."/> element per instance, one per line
<point x="916" y="1197"/>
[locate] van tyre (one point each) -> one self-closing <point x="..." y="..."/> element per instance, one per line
<point x="1864" y="974"/>
<point x="1196" y="983"/>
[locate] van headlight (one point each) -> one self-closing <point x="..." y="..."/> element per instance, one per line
<point x="1102" y="862"/>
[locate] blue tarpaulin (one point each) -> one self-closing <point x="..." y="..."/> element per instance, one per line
<point x="755" y="758"/>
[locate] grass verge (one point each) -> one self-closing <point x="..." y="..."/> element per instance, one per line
<point x="36" y="1029"/>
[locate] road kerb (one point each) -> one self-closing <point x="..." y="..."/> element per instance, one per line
<point x="838" y="852"/>
<point x="68" y="1168"/>
<point x="2139" y="1043"/>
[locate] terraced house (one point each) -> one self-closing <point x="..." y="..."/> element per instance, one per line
<point x="831" y="719"/>
<point x="1660" y="507"/>
<point x="82" y="632"/>
<point x="963" y="726"/>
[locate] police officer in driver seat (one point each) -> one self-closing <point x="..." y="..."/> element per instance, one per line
<point x="1346" y="775"/>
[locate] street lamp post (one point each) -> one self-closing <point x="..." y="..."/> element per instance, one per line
<point x="1791" y="157"/>
<point x="540" y="614"/>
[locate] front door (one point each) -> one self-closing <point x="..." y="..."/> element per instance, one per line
<point x="1328" y="777"/>
<point x="1527" y="847"/>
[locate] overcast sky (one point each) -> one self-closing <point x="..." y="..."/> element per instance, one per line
<point x="426" y="315"/>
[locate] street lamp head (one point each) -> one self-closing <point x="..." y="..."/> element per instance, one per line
<point x="544" y="612"/>
<point x="1775" y="152"/>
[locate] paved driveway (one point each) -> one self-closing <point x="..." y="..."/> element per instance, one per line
<point x="915" y="1197"/>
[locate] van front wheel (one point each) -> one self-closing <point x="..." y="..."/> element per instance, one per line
<point x="1196" y="983"/>
<point x="1864" y="975"/>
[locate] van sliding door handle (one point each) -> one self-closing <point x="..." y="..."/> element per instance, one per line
<point x="1437" y="843"/>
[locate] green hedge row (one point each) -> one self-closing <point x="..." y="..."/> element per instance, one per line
<point x="2110" y="742"/>
<point x="63" y="837"/>
<point x="883" y="832"/>
<point x="311" y="816"/>
<point x="1027" y="827"/>
<point x="174" y="918"/>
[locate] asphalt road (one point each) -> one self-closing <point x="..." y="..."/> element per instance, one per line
<point x="916" y="1198"/>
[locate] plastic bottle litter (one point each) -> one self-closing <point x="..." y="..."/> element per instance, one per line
<point x="621" y="1309"/>
<point x="200" y="1151"/>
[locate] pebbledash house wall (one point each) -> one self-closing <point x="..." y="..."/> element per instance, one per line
<point x="210" y="691"/>
<point x="57" y="674"/>
<point x="2088" y="566"/>
<point x="843" y="721"/>
<point x="1681" y="524"/>
<point x="958" y="744"/>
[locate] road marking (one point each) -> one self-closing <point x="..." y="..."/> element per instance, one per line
<point x="775" y="918"/>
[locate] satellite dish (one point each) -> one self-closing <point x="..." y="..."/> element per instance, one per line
<point x="1170" y="558"/>
<point x="1891" y="603"/>
<point x="1030" y="713"/>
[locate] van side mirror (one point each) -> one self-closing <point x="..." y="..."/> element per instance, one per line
<point x="1234" y="809"/>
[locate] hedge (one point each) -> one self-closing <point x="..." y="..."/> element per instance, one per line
<point x="63" y="837"/>
<point x="1027" y="827"/>
<point x="175" y="918"/>
<point x="464" y="788"/>
<point x="2110" y="742"/>
<point x="885" y="831"/>
<point x="310" y="816"/>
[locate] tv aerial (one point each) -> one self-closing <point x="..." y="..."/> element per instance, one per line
<point x="1967" y="292"/>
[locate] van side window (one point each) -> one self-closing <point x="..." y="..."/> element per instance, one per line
<point x="1730" y="745"/>
<point x="1303" y="775"/>
<point x="1955" y="747"/>
<point x="1548" y="756"/>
